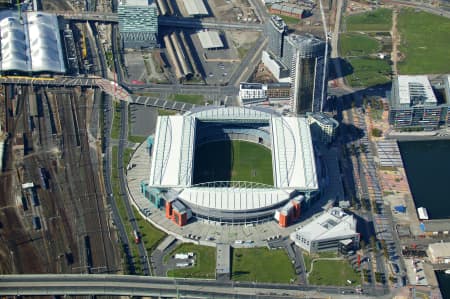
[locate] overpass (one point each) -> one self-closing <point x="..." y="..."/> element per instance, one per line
<point x="129" y="285"/>
<point x="108" y="17"/>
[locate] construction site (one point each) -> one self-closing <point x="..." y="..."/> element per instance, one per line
<point x="54" y="217"/>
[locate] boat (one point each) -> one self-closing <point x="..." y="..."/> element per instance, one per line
<point x="423" y="213"/>
<point x="447" y="271"/>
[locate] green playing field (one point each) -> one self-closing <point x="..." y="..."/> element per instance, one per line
<point x="233" y="161"/>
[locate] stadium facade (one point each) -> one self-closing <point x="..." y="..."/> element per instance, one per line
<point x="138" y="23"/>
<point x="295" y="179"/>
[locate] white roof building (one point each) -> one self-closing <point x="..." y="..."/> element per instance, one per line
<point x="413" y="88"/>
<point x="33" y="46"/>
<point x="293" y="160"/>
<point x="439" y="253"/>
<point x="327" y="231"/>
<point x="195" y="7"/>
<point x="135" y="2"/>
<point x="210" y="39"/>
<point x="250" y="93"/>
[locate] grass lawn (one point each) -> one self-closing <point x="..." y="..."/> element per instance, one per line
<point x="188" y="98"/>
<point x="150" y="235"/>
<point x="148" y="94"/>
<point x="377" y="20"/>
<point x="334" y="273"/>
<point x="136" y="139"/>
<point x="205" y="262"/>
<point x="115" y="130"/>
<point x="122" y="211"/>
<point x="127" y="156"/>
<point x="357" y="44"/>
<point x="233" y="161"/>
<point x="261" y="265"/>
<point x="424" y="43"/>
<point x="163" y="112"/>
<point x="307" y="258"/>
<point x="242" y="51"/>
<point x="289" y="20"/>
<point x="368" y="72"/>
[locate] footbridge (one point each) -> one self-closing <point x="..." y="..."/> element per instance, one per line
<point x="169" y="21"/>
<point x="112" y="88"/>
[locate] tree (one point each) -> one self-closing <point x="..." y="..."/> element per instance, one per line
<point x="376" y="132"/>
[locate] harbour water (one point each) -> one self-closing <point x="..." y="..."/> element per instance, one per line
<point x="444" y="283"/>
<point x="427" y="166"/>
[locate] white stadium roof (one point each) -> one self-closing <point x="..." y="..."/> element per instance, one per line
<point x="33" y="46"/>
<point x="195" y="7"/>
<point x="293" y="159"/>
<point x="173" y="151"/>
<point x="210" y="39"/>
<point x="240" y="200"/>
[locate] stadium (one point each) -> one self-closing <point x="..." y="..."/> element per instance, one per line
<point x="233" y="165"/>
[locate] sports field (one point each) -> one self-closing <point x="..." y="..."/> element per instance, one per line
<point x="233" y="161"/>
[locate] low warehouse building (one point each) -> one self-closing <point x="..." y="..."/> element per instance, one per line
<point x="210" y="39"/>
<point x="195" y="7"/>
<point x="439" y="253"/>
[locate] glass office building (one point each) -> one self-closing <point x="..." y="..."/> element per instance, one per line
<point x="138" y="23"/>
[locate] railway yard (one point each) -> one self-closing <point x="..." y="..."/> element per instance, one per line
<point x="54" y="216"/>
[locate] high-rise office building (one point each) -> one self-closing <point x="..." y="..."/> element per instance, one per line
<point x="305" y="55"/>
<point x="138" y="23"/>
<point x="276" y="30"/>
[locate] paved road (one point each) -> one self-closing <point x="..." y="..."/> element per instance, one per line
<point x="144" y="260"/>
<point x="108" y="186"/>
<point x="93" y="284"/>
